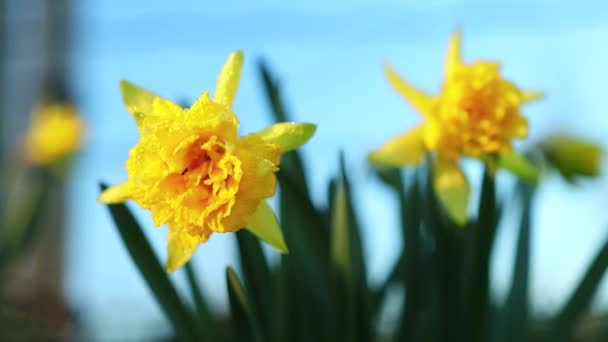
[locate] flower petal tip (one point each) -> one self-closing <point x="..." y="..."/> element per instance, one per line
<point x="265" y="226"/>
<point x="532" y="95"/>
<point x="288" y="135"/>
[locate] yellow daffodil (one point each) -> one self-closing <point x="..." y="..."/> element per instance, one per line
<point x="193" y="172"/>
<point x="56" y="131"/>
<point x="476" y="114"/>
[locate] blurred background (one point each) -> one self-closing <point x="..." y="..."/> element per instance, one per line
<point x="328" y="56"/>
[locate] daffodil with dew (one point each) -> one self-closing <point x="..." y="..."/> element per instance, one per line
<point x="476" y="114"/>
<point x="195" y="174"/>
<point x="56" y="131"/>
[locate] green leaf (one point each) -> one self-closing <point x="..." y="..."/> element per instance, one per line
<point x="208" y="324"/>
<point x="354" y="231"/>
<point x="482" y="242"/>
<point x="565" y="321"/>
<point x="520" y="166"/>
<point x="413" y="273"/>
<point x="257" y="279"/>
<point x="340" y="253"/>
<point x="306" y="230"/>
<point x="514" y="316"/>
<point x="150" y="268"/>
<point x="245" y="324"/>
<point x="288" y="135"/>
<point x="342" y="280"/>
<point x="271" y="88"/>
<point x="265" y="226"/>
<point x="351" y="295"/>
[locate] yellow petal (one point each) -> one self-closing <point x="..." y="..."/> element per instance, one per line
<point x="452" y="189"/>
<point x="432" y="134"/>
<point x="453" y="58"/>
<point x="141" y="102"/>
<point x="116" y="194"/>
<point x="531" y="95"/>
<point x="520" y="129"/>
<point x="420" y="100"/>
<point x="404" y="149"/>
<point x="180" y="247"/>
<point x="288" y="135"/>
<point x="519" y="166"/>
<point x="265" y="226"/>
<point x="228" y="79"/>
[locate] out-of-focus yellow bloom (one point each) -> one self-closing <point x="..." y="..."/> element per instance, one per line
<point x="56" y="131"/>
<point x="193" y="172"/>
<point x="476" y="114"/>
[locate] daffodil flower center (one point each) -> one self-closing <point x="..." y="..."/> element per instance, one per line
<point x="206" y="182"/>
<point x="476" y="107"/>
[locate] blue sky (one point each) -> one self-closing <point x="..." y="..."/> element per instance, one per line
<point x="329" y="57"/>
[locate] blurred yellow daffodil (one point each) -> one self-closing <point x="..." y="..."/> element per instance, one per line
<point x="476" y="114"/>
<point x="56" y="131"/>
<point x="193" y="172"/>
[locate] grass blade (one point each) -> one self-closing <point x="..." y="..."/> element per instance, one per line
<point x="257" y="279"/>
<point x="578" y="304"/>
<point x="447" y="264"/>
<point x="208" y="324"/>
<point x="482" y="241"/>
<point x="515" y="312"/>
<point x="245" y="327"/>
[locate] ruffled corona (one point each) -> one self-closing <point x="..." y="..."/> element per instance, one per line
<point x="193" y="172"/>
<point x="478" y="112"/>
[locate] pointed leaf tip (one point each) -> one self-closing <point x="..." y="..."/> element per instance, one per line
<point x="340" y="248"/>
<point x="115" y="194"/>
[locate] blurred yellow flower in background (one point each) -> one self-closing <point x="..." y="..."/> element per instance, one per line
<point x="193" y="172"/>
<point x="476" y="114"/>
<point x="56" y="131"/>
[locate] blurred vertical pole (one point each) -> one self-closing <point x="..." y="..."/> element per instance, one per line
<point x="3" y="48"/>
<point x="37" y="70"/>
<point x="50" y="265"/>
